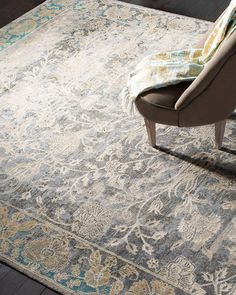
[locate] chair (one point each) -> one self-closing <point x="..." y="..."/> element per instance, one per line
<point x="209" y="99"/>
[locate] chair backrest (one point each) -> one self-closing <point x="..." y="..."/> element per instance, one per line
<point x="212" y="95"/>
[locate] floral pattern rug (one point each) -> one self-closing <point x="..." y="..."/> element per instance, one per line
<point x="87" y="206"/>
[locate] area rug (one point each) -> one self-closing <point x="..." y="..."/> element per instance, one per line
<point x="87" y="207"/>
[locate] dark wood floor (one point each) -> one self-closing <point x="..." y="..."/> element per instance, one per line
<point x="203" y="9"/>
<point x="12" y="9"/>
<point x="13" y="282"/>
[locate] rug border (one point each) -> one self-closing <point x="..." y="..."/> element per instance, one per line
<point x="94" y="245"/>
<point x="69" y="6"/>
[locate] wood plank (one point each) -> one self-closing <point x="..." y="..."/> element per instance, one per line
<point x="49" y="292"/>
<point x="4" y="269"/>
<point x="30" y="287"/>
<point x="12" y="282"/>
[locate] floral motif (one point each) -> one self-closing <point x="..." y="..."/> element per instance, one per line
<point x="152" y="21"/>
<point x="161" y="288"/>
<point x="128" y="271"/>
<point x="110" y="261"/>
<point x="53" y="253"/>
<point x="65" y="144"/>
<point x="199" y="229"/>
<point x="220" y="280"/>
<point x="180" y="272"/>
<point x="153" y="263"/>
<point x="156" y="206"/>
<point x="47" y="13"/>
<point x="91" y="220"/>
<point x="24" y="171"/>
<point x="97" y="276"/>
<point x="114" y="12"/>
<point x="10" y="226"/>
<point x="157" y="287"/>
<point x="23" y="27"/>
<point x="182" y="25"/>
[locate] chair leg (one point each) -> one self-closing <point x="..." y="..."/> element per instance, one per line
<point x="151" y="131"/>
<point x="219" y="133"/>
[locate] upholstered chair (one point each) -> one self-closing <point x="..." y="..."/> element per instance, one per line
<point x="209" y="99"/>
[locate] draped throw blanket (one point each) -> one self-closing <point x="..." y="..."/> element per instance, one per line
<point x="170" y="68"/>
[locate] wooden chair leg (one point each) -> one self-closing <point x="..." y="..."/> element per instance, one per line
<point x="219" y="133"/>
<point x="151" y="131"/>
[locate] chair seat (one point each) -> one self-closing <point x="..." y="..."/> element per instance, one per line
<point x="158" y="105"/>
<point x="165" y="97"/>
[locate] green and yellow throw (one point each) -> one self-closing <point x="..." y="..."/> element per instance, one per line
<point x="170" y="68"/>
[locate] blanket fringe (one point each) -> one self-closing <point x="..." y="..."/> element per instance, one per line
<point x="128" y="104"/>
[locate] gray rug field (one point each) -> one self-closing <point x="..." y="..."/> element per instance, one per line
<point x="86" y="206"/>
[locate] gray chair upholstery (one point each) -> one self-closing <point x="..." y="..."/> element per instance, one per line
<point x="209" y="99"/>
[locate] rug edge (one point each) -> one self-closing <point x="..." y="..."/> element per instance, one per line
<point x="48" y="284"/>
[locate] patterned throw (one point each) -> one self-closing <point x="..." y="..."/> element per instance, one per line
<point x="170" y="68"/>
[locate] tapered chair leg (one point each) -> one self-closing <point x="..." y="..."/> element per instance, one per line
<point x="151" y="131"/>
<point x="219" y="133"/>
